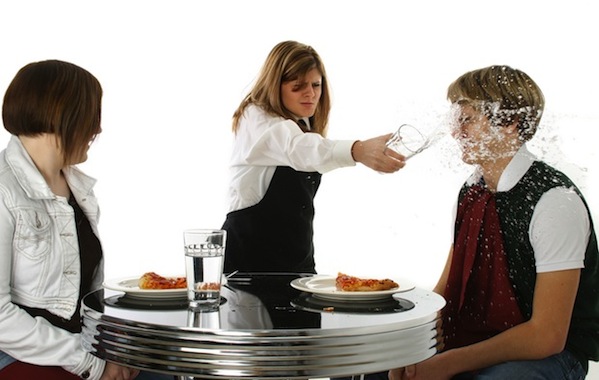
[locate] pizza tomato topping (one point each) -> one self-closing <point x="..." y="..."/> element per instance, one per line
<point x="151" y="280"/>
<point x="348" y="283"/>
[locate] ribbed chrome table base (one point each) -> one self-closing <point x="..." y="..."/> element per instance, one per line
<point x="255" y="355"/>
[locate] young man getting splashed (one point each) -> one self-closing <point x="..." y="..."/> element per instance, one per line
<point x="521" y="279"/>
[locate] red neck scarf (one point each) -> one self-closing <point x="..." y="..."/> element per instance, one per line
<point x="480" y="297"/>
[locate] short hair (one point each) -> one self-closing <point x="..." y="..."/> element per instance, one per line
<point x="287" y="61"/>
<point x="504" y="94"/>
<point x="54" y="97"/>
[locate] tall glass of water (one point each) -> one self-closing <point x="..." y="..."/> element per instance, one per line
<point x="204" y="260"/>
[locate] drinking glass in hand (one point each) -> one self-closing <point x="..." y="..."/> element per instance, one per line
<point x="204" y="259"/>
<point x="407" y="141"/>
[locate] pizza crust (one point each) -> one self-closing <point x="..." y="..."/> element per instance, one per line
<point x="151" y="280"/>
<point x="349" y="283"/>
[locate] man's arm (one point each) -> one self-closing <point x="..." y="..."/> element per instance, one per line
<point x="542" y="336"/>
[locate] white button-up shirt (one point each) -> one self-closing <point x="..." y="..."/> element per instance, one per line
<point x="264" y="142"/>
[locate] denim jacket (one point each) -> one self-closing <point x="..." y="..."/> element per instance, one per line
<point x="39" y="262"/>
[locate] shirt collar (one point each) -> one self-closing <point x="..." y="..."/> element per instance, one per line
<point x="32" y="181"/>
<point x="512" y="173"/>
<point x="307" y="121"/>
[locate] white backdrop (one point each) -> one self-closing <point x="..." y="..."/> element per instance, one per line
<point x="173" y="72"/>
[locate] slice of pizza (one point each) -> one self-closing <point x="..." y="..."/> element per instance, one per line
<point x="151" y="280"/>
<point x="355" y="284"/>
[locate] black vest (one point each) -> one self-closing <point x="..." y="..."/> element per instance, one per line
<point x="276" y="234"/>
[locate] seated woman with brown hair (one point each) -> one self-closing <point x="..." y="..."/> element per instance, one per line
<point x="50" y="254"/>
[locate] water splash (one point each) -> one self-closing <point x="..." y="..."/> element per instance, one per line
<point x="557" y="141"/>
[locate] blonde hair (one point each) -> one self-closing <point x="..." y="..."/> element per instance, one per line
<point x="287" y="61"/>
<point x="503" y="94"/>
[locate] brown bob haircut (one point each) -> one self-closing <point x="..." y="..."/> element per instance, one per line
<point x="503" y="94"/>
<point x="58" y="98"/>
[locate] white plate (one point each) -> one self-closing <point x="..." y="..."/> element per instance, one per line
<point x="130" y="286"/>
<point x="324" y="287"/>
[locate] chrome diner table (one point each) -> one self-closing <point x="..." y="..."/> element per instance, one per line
<point x="264" y="328"/>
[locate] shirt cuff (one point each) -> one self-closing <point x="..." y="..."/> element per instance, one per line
<point x="91" y="368"/>
<point x="342" y="153"/>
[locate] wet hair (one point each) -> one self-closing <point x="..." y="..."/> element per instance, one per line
<point x="54" y="97"/>
<point x="505" y="95"/>
<point x="287" y="61"/>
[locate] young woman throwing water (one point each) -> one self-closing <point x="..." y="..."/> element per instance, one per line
<point x="279" y="155"/>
